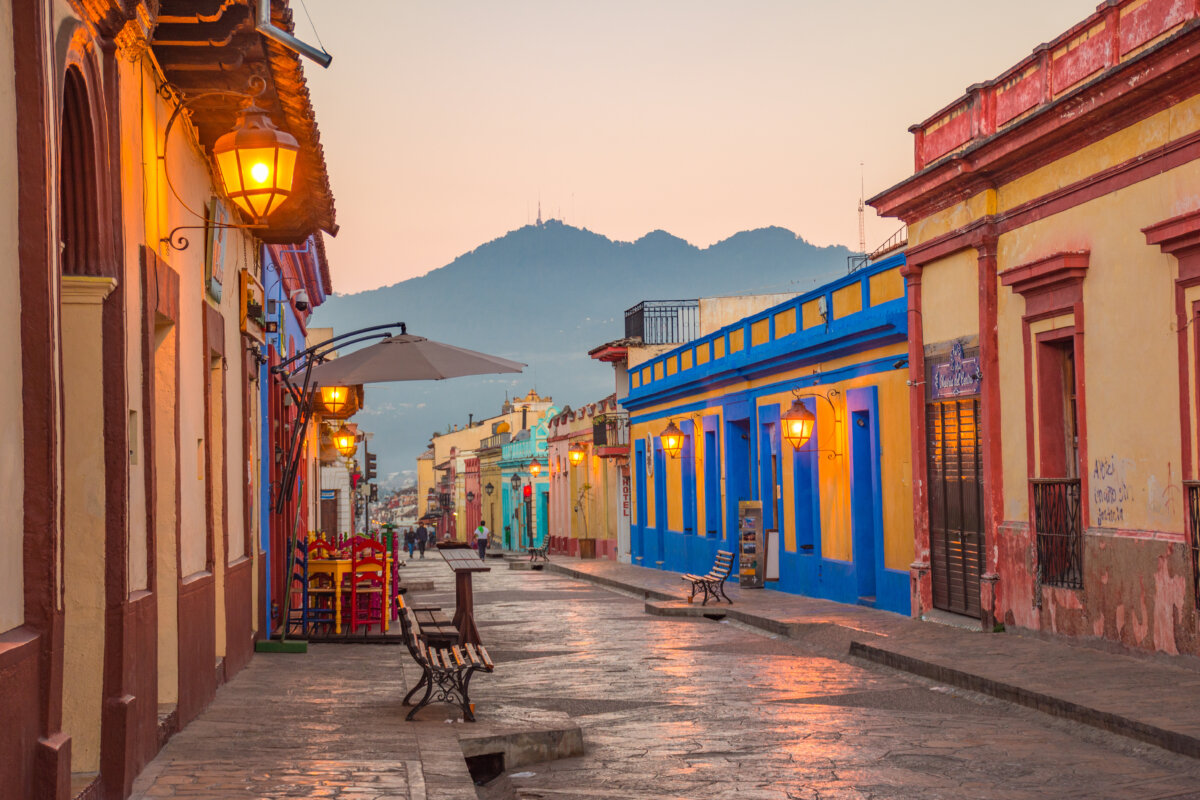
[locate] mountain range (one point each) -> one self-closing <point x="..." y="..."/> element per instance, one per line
<point x="544" y="295"/>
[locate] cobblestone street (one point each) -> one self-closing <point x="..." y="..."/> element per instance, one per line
<point x="670" y="708"/>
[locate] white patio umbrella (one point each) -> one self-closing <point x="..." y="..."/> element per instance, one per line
<point x="408" y="358"/>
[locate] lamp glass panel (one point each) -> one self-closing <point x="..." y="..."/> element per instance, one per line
<point x="227" y="164"/>
<point x="258" y="168"/>
<point x="285" y="169"/>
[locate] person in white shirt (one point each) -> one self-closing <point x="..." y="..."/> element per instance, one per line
<point x="481" y="539"/>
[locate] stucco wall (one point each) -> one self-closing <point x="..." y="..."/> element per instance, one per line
<point x="717" y="312"/>
<point x="83" y="517"/>
<point x="12" y="454"/>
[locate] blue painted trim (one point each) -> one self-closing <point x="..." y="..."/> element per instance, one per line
<point x="859" y="333"/>
<point x="822" y="337"/>
<point x="862" y="369"/>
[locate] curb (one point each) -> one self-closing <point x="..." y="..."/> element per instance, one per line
<point x="1174" y="741"/>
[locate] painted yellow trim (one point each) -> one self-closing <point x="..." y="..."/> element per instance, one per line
<point x="785" y="323"/>
<point x="847" y="300"/>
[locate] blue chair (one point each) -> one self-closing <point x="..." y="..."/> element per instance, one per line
<point x="312" y="596"/>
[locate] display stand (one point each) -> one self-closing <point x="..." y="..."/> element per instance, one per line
<point x="751" y="547"/>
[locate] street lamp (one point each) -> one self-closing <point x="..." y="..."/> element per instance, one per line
<point x="257" y="162"/>
<point x="576" y="454"/>
<point x="489" y="489"/>
<point x="470" y="497"/>
<point x="334" y="398"/>
<point x="798" y="424"/>
<point x="535" y="468"/>
<point x="344" y="441"/>
<point x="672" y="439"/>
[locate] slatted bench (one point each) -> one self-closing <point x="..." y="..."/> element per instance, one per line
<point x="437" y="630"/>
<point x="540" y="553"/>
<point x="445" y="671"/>
<point x="713" y="584"/>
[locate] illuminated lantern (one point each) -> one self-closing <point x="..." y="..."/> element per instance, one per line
<point x="576" y="454"/>
<point x="798" y="424"/>
<point x="535" y="468"/>
<point x="344" y="441"/>
<point x="672" y="439"/>
<point x="257" y="162"/>
<point x="334" y="398"/>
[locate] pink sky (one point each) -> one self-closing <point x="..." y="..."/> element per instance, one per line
<point x="443" y="122"/>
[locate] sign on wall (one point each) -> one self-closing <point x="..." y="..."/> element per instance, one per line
<point x="217" y="248"/>
<point x="957" y="376"/>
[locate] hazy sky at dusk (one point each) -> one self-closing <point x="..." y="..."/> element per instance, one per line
<point x="443" y="122"/>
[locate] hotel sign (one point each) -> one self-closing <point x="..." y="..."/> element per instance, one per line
<point x="957" y="377"/>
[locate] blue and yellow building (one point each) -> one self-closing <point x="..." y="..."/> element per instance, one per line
<point x="838" y="510"/>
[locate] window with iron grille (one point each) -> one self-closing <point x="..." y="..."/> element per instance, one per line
<point x="1057" y="494"/>
<point x="1193" y="524"/>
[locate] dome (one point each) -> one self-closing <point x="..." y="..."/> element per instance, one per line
<point x="503" y="427"/>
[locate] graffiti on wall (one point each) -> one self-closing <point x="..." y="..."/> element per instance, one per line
<point x="1110" y="492"/>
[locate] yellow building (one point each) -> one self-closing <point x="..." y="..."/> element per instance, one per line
<point x="1053" y="284"/>
<point x="835" y="513"/>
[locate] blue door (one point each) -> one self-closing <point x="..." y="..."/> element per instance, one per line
<point x="637" y="536"/>
<point x="737" y="476"/>
<point x="864" y="485"/>
<point x="660" y="502"/>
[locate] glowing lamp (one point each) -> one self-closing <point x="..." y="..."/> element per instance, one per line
<point x="334" y="398"/>
<point x="344" y="441"/>
<point x="798" y="424"/>
<point x="672" y="439"/>
<point x="576" y="454"/>
<point x="535" y="468"/>
<point x="257" y="162"/>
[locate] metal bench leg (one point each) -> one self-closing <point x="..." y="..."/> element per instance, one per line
<point x="424" y="681"/>
<point x="424" y="700"/>
<point x="463" y="683"/>
<point x="727" y="597"/>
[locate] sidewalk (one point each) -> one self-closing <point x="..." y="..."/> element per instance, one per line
<point x="1141" y="697"/>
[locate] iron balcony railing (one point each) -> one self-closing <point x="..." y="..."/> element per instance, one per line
<point x="495" y="440"/>
<point x="610" y="430"/>
<point x="1059" y="532"/>
<point x="1193" y="524"/>
<point x="663" y="321"/>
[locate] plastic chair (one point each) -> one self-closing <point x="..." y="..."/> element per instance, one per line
<point x="366" y="583"/>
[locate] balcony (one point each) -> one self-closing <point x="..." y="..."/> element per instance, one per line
<point x="1059" y="534"/>
<point x="663" y="321"/>
<point x="610" y="435"/>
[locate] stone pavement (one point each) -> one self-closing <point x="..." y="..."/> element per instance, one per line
<point x="1155" y="699"/>
<point x="670" y="707"/>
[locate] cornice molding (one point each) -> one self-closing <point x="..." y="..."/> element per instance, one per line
<point x="86" y="290"/>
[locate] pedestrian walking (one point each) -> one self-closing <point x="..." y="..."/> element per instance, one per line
<point x="410" y="541"/>
<point x="422" y="538"/>
<point x="481" y="539"/>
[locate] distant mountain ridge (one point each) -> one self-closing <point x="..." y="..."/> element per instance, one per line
<point x="545" y="295"/>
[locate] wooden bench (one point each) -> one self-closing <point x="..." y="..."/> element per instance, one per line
<point x="437" y="630"/>
<point x="713" y="584"/>
<point x="445" y="671"/>
<point x="540" y="553"/>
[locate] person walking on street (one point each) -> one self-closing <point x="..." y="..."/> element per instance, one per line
<point x="410" y="541"/>
<point x="422" y="539"/>
<point x="481" y="539"/>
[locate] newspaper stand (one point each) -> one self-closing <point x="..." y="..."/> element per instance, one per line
<point x="751" y="547"/>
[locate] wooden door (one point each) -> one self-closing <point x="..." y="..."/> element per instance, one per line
<point x="955" y="503"/>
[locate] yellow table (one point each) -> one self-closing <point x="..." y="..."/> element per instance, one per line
<point x="340" y="567"/>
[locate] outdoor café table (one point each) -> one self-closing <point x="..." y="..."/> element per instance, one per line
<point x="464" y="562"/>
<point x="340" y="567"/>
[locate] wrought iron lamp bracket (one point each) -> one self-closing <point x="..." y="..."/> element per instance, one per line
<point x="831" y="453"/>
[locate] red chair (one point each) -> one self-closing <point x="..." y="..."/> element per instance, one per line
<point x="366" y="583"/>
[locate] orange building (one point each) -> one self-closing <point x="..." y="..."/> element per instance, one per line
<point x="1053" y="281"/>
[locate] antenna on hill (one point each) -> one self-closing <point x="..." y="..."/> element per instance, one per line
<point x="539" y="222"/>
<point x="862" y="211"/>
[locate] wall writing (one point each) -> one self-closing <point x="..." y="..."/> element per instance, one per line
<point x="1110" y="492"/>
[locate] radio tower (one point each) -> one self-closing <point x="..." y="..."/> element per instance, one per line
<point x="862" y="211"/>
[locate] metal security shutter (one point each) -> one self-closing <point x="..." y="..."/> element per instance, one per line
<point x="955" y="503"/>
